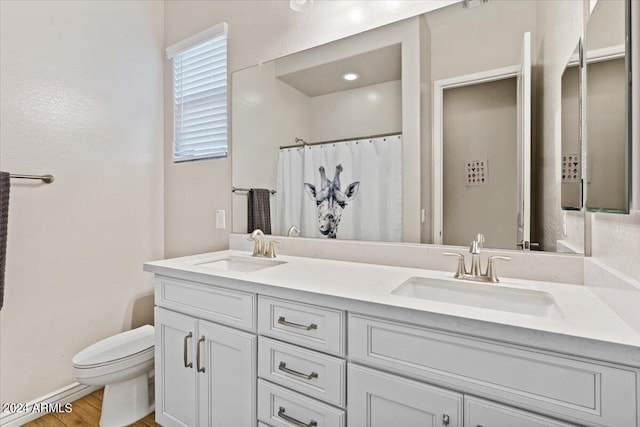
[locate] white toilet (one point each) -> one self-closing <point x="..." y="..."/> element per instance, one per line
<point x="123" y="364"/>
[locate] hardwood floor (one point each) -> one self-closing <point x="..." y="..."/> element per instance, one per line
<point x="86" y="412"/>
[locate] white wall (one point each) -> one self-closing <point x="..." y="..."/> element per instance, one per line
<point x="82" y="98"/>
<point x="258" y="31"/>
<point x="368" y="110"/>
<point x="466" y="41"/>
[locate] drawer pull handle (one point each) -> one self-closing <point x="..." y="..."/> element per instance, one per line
<point x="296" y="325"/>
<point x="293" y="421"/>
<point x="200" y="369"/>
<point x="283" y="368"/>
<point x="185" y="356"/>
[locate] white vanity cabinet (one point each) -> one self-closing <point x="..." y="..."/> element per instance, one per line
<point x="228" y="354"/>
<point x="205" y="371"/>
<point x="571" y="388"/>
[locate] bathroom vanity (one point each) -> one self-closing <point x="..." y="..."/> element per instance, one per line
<point x="297" y="341"/>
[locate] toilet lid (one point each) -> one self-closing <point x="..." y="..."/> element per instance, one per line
<point x="116" y="347"/>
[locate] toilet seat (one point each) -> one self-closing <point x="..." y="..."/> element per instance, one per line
<point x="95" y="373"/>
<point x="125" y="346"/>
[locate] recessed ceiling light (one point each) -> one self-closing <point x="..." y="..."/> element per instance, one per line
<point x="351" y="76"/>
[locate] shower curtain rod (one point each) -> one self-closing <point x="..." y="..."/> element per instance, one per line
<point x="304" y="143"/>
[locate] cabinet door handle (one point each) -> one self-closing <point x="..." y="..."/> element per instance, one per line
<point x="296" y="325"/>
<point x="445" y="420"/>
<point x="295" y="422"/>
<point x="200" y="369"/>
<point x="283" y="368"/>
<point x="187" y="364"/>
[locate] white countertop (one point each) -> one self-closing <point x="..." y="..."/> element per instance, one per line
<point x="585" y="315"/>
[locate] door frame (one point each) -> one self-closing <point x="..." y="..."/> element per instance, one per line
<point x="439" y="87"/>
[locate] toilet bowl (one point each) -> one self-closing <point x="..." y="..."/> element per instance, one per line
<point x="123" y="364"/>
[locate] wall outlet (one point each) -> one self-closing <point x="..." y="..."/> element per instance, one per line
<point x="220" y="219"/>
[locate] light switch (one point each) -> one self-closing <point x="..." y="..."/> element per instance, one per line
<point x="220" y="219"/>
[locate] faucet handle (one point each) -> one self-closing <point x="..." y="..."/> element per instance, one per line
<point x="271" y="248"/>
<point x="257" y="248"/>
<point x="462" y="269"/>
<point x="492" y="276"/>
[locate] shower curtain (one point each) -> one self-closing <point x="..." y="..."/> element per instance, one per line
<point x="374" y="212"/>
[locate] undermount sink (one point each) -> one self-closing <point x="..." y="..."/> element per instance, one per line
<point x="481" y="295"/>
<point x="241" y="264"/>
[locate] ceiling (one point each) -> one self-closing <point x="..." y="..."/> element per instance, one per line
<point x="373" y="67"/>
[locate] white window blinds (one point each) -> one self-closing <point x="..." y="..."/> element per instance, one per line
<point x="200" y="95"/>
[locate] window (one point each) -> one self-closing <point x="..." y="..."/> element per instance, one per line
<point x="200" y="95"/>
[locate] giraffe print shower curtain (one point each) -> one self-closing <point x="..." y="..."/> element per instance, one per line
<point x="357" y="183"/>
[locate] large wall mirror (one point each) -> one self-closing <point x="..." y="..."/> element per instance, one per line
<point x="357" y="158"/>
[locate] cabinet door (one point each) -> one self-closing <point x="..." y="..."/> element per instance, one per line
<point x="175" y="337"/>
<point x="378" y="399"/>
<point x="226" y="376"/>
<point x="482" y="413"/>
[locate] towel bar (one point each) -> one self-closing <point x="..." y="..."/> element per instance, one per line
<point x="234" y="189"/>
<point x="44" y="178"/>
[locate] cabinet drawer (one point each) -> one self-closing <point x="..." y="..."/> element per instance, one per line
<point x="279" y="407"/>
<point x="306" y="371"/>
<point x="307" y="325"/>
<point x="479" y="412"/>
<point x="551" y="384"/>
<point x="233" y="308"/>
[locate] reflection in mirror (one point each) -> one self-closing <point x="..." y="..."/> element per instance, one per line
<point x="479" y="123"/>
<point x="302" y="99"/>
<point x="324" y="128"/>
<point x="571" y="169"/>
<point x="607" y="100"/>
<point x="572" y="239"/>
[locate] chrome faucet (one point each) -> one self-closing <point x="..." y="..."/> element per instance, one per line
<point x="293" y="230"/>
<point x="476" y="269"/>
<point x="262" y="247"/>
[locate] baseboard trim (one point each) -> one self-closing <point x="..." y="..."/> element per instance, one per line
<point x="62" y="396"/>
